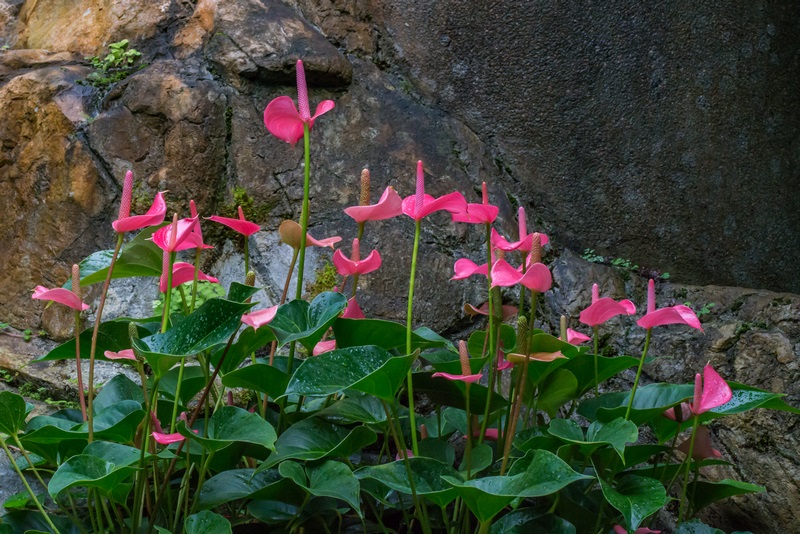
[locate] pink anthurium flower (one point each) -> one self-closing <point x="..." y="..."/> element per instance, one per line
<point x="183" y="272"/>
<point x="673" y="315"/>
<point x="464" y="268"/>
<point x="525" y="243"/>
<point x="60" y="295"/>
<point x="125" y="354"/>
<point x="352" y="266"/>
<point x="538" y="356"/>
<point x="508" y="311"/>
<point x="167" y="439"/>
<point x="465" y="375"/>
<point x="490" y="434"/>
<point x="478" y="213"/>
<point x="576" y="338"/>
<point x="177" y="236"/>
<point x="290" y="234"/>
<point x="702" y="445"/>
<point x="259" y="318"/>
<point x="420" y="205"/>
<point x="282" y="118"/>
<point x="197" y="230"/>
<point x="126" y="223"/>
<point x="241" y="225"/>
<point x="324" y="346"/>
<point x="390" y="205"/>
<point x="353" y="310"/>
<point x="537" y="277"/>
<point x="710" y="391"/>
<point x="619" y="529"/>
<point x="502" y="363"/>
<point x="683" y="412"/>
<point x="603" y="309"/>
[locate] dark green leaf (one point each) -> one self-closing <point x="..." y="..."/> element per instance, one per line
<point x="369" y="369"/>
<point x="329" y="479"/>
<point x="528" y="520"/>
<point x="12" y="412"/>
<point x="260" y="377"/>
<point x="246" y="484"/>
<point x="706" y="493"/>
<point x="385" y="334"/>
<point x="355" y="409"/>
<point x="192" y="382"/>
<point x="557" y="389"/>
<point x="240" y="292"/>
<point x="616" y="433"/>
<point x="582" y="366"/>
<point x="119" y="388"/>
<point x="636" y="498"/>
<point x="453" y="392"/>
<point x="87" y="471"/>
<point x="477" y="345"/>
<point x="427" y="474"/>
<point x="307" y="323"/>
<point x="112" y="335"/>
<point x="205" y="522"/>
<point x="233" y="424"/>
<point x="249" y="341"/>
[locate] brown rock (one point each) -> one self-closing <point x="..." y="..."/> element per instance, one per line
<point x="198" y="28"/>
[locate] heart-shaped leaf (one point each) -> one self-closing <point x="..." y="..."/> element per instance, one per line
<point x="526" y="520"/>
<point x="616" y="433"/>
<point x="87" y="471"/>
<point x="354" y="409"/>
<point x="385" y="334"/>
<point x="635" y="497"/>
<point x="307" y="323"/>
<point x="313" y="439"/>
<point x="539" y="473"/>
<point x="558" y="388"/>
<point x="327" y="479"/>
<point x="231" y="424"/>
<point x="248" y="342"/>
<point x="112" y="335"/>
<point x="205" y="522"/>
<point x="247" y="484"/>
<point x="582" y="366"/>
<point x="369" y="369"/>
<point x="453" y="392"/>
<point x="119" y="388"/>
<point x="12" y="413"/>
<point x="705" y="493"/>
<point x="426" y="472"/>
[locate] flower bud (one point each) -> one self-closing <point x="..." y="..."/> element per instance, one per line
<point x="563" y="327"/>
<point x="250" y="279"/>
<point x="536" y="248"/>
<point x="522" y="334"/>
<point x="127" y="196"/>
<point x="497" y="305"/>
<point x="463" y="355"/>
<point x="76" y="281"/>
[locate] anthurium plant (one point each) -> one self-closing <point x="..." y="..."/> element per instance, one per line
<point x="328" y="435"/>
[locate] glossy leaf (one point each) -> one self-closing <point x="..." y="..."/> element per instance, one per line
<point x="369" y="369"/>
<point x="481" y="458"/>
<point x="557" y="389"/>
<point x="112" y="335"/>
<point x="539" y="473"/>
<point x="478" y="347"/>
<point x="427" y="474"/>
<point x="354" y="409"/>
<point x="87" y="471"/>
<point x="582" y="366"/>
<point x="119" y="388"/>
<point x="236" y="484"/>
<point x="12" y="413"/>
<point x="192" y="383"/>
<point x="651" y="401"/>
<point x="635" y="497"/>
<point x="616" y="433"/>
<point x="248" y="342"/>
<point x="231" y="424"/>
<point x="241" y="292"/>
<point x="205" y="522"/>
<point x="138" y="257"/>
<point x="260" y="377"/>
<point x="705" y="493"/>
<point x="328" y="479"/>
<point x="528" y="520"/>
<point x="313" y="439"/>
<point x="307" y="323"/>
<point x="385" y="334"/>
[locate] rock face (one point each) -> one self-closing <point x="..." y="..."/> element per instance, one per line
<point x="612" y="136"/>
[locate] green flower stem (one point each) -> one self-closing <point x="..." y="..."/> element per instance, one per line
<point x="490" y="335"/>
<point x="410" y="387"/>
<point x="97" y="319"/>
<point x="596" y="335"/>
<point x="105" y="510"/>
<point x="695" y="424"/>
<point x="177" y="399"/>
<point x="167" y="295"/>
<point x="304" y="212"/>
<point x="141" y="477"/>
<point x="184" y="302"/>
<point x="201" y="479"/>
<point x="638" y="373"/>
<point x="81" y="396"/>
<point x="196" y="276"/>
<point x="468" y="448"/>
<point x="484" y="527"/>
<point x="27" y="486"/>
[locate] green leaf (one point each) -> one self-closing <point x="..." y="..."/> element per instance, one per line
<point x="240" y="292"/>
<point x="369" y="369"/>
<point x="87" y="471"/>
<point x="582" y="366"/>
<point x="539" y="473"/>
<point x="481" y="457"/>
<point x="426" y="472"/>
<point x="307" y="323"/>
<point x="477" y="346"/>
<point x="527" y="520"/>
<point x="260" y="377"/>
<point x="211" y="324"/>
<point x="272" y="512"/>
<point x="329" y="479"/>
<point x="706" y="493"/>
<point x="635" y="497"/>
<point x="193" y="381"/>
<point x="118" y="389"/>
<point x="246" y="484"/>
<point x="651" y="401"/>
<point x="231" y="424"/>
<point x="205" y="522"/>
<point x="112" y="335"/>
<point x="354" y="409"/>
<point x="616" y="433"/>
<point x="385" y="334"/>
<point x="556" y="390"/>
<point x="139" y="257"/>
<point x="248" y="342"/>
<point x="12" y="413"/>
<point x="697" y="527"/>
<point x="453" y="392"/>
<point x="114" y="453"/>
<point x="313" y="439"/>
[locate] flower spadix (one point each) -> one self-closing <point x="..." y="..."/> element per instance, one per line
<point x="127" y="223"/>
<point x="679" y="314"/>
<point x="420" y="205"/>
<point x="390" y="204"/>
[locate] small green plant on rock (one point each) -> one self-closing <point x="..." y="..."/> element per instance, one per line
<point x="118" y="64"/>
